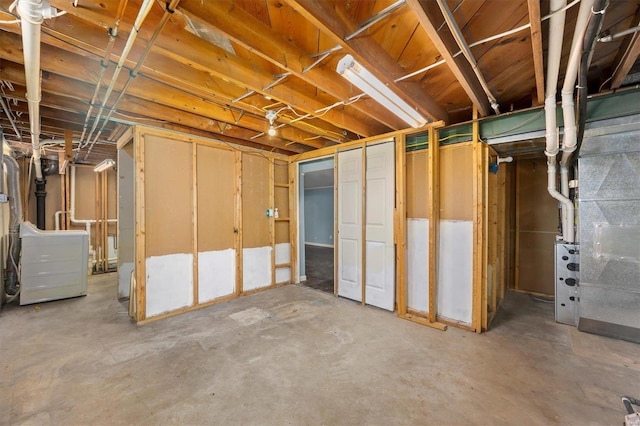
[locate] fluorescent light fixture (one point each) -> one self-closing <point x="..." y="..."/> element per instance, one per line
<point x="104" y="165"/>
<point x="369" y="84"/>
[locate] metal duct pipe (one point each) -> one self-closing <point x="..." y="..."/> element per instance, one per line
<point x="570" y="77"/>
<point x="12" y="284"/>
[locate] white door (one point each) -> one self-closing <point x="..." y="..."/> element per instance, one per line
<point x="380" y="251"/>
<point x="350" y="224"/>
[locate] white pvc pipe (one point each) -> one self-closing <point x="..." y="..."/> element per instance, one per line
<point x="31" y="17"/>
<point x="72" y="210"/>
<point x="570" y="77"/>
<point x="568" y="232"/>
<point x="556" y="33"/>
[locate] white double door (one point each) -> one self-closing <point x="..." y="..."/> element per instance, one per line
<point x="379" y="256"/>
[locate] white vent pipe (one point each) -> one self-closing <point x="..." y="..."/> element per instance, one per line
<point x="32" y="13"/>
<point x="72" y="208"/>
<point x="570" y="77"/>
<point x="556" y="33"/>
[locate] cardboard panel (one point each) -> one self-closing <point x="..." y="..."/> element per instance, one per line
<point x="536" y="262"/>
<point x="281" y="196"/>
<point x="417" y="165"/>
<point x="255" y="201"/>
<point x="537" y="210"/>
<point x="281" y="172"/>
<point x="456" y="182"/>
<point x="85" y="193"/>
<point x="216" y="198"/>
<point x="537" y="219"/>
<point x="168" y="196"/>
<point x="282" y="232"/>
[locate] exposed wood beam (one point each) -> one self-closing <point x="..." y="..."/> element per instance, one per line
<point x="251" y="33"/>
<point x="628" y="58"/>
<point x="337" y="26"/>
<point x="430" y="17"/>
<point x="214" y="60"/>
<point x="65" y="35"/>
<point x="145" y="111"/>
<point x="71" y="66"/>
<point x="536" y="44"/>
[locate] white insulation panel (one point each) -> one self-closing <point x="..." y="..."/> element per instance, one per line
<point x="283" y="253"/>
<point x="256" y="268"/>
<point x="169" y="283"/>
<point x="124" y="279"/>
<point x="216" y="274"/>
<point x="455" y="271"/>
<point x="418" y="264"/>
<point x="283" y="275"/>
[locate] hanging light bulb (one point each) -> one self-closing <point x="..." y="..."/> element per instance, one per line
<point x="271" y="116"/>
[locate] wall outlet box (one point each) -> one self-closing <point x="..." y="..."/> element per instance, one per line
<point x="4" y="198"/>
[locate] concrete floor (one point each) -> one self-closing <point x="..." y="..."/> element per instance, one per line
<point x="294" y="355"/>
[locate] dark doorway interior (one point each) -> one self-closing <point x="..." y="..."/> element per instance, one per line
<point x="319" y="268"/>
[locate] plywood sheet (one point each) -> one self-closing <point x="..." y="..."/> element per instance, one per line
<point x="216" y="198"/>
<point x="168" y="196"/>
<point x="282" y="232"/>
<point x="537" y="210"/>
<point x="281" y="172"/>
<point x="85" y="192"/>
<point x="456" y="182"/>
<point x="255" y="201"/>
<point x="536" y="262"/>
<point x="537" y="219"/>
<point x="281" y="196"/>
<point x="417" y="167"/>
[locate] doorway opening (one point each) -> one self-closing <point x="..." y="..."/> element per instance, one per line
<point x="316" y="221"/>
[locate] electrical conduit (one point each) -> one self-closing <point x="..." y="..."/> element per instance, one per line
<point x="142" y="14"/>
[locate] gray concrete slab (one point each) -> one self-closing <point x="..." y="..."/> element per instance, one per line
<point x="294" y="355"/>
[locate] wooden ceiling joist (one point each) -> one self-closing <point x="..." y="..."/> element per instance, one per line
<point x="430" y="18"/>
<point x="630" y="52"/>
<point x="536" y="43"/>
<point x="251" y="33"/>
<point x="329" y="17"/>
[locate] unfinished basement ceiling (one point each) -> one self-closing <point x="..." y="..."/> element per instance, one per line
<point x="217" y="67"/>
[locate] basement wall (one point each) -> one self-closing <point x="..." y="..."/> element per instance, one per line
<point x="203" y="234"/>
<point x="455" y="254"/>
<point x="455" y="267"/>
<point x="536" y="228"/>
<point x="417" y="257"/>
<point x="58" y="198"/>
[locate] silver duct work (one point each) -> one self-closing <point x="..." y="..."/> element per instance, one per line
<point x="12" y="285"/>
